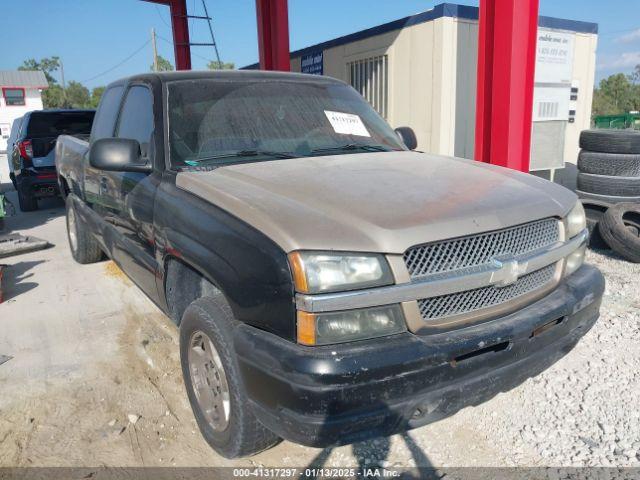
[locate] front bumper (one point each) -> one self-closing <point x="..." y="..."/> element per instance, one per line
<point x="339" y="394"/>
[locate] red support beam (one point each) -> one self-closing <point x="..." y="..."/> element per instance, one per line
<point x="273" y="34"/>
<point x="180" y="28"/>
<point x="506" y="67"/>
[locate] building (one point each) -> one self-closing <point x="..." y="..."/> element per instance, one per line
<point x="420" y="71"/>
<point x="21" y="93"/>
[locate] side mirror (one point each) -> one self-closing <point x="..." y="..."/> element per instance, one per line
<point x="117" y="155"/>
<point x="408" y="136"/>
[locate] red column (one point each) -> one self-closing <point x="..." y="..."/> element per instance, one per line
<point x="506" y="67"/>
<point x="273" y="34"/>
<point x="180" y="27"/>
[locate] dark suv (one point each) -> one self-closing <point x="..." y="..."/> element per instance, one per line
<point x="32" y="159"/>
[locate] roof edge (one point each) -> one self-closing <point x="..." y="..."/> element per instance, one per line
<point x="450" y="10"/>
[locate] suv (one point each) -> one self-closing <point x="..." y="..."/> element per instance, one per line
<point x="31" y="156"/>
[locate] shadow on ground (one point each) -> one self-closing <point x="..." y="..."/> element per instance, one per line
<point x="16" y="277"/>
<point x="375" y="453"/>
<point x="48" y="209"/>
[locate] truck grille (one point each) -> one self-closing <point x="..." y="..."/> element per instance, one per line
<point x="478" y="250"/>
<point x="485" y="297"/>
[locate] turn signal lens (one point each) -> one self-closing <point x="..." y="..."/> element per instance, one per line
<point x="306" y="328"/>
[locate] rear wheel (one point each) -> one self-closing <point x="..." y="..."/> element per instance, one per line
<point x="212" y="379"/>
<point x="27" y="201"/>
<point x="84" y="247"/>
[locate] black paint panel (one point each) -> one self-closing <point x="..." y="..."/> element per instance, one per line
<point x="248" y="267"/>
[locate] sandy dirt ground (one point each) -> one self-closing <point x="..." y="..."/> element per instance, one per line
<point x="94" y="380"/>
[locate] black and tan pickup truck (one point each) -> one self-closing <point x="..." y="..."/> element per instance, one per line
<point x="329" y="283"/>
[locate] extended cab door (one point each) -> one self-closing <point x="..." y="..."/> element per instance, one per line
<point x="126" y="199"/>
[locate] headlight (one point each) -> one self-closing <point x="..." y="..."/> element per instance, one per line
<point x="575" y="260"/>
<point x="317" y="272"/>
<point x="349" y="325"/>
<point x="576" y="220"/>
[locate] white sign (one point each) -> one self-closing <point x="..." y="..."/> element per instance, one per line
<point x="347" y="123"/>
<point x="551" y="103"/>
<point x="554" y="58"/>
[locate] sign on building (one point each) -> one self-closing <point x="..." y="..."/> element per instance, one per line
<point x="312" y="63"/>
<point x="554" y="72"/>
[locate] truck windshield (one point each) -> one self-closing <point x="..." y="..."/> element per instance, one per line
<point x="223" y="121"/>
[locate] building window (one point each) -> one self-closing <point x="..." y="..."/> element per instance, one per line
<point x="13" y="97"/>
<point x="370" y="78"/>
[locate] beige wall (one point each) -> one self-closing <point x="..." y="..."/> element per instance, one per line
<point x="584" y="72"/>
<point x="432" y="81"/>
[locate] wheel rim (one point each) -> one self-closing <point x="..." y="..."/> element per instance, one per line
<point x="209" y="381"/>
<point x="71" y="227"/>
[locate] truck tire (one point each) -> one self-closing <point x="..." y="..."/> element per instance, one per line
<point x="84" y="247"/>
<point x="605" y="199"/>
<point x="620" y="228"/>
<point x="206" y="338"/>
<point x="609" y="185"/>
<point x="26" y="201"/>
<point x="614" y="164"/>
<point x="610" y="141"/>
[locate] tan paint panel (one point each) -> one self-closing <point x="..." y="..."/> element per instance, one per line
<point x="375" y="202"/>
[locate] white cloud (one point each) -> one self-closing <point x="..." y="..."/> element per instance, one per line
<point x="622" y="61"/>
<point x="629" y="37"/>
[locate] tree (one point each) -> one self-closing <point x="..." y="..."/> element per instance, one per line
<point x="616" y="94"/>
<point x="53" y="97"/>
<point x="47" y="65"/>
<point x="96" y="95"/>
<point x="77" y="95"/>
<point x="164" y="65"/>
<point x="214" y="65"/>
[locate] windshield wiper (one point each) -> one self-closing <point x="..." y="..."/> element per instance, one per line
<point x="354" y="146"/>
<point x="240" y="153"/>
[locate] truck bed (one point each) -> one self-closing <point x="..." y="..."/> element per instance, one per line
<point x="70" y="153"/>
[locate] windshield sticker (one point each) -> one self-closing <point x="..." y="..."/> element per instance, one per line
<point x="347" y="123"/>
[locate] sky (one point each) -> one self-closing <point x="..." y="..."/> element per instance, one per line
<point x="102" y="40"/>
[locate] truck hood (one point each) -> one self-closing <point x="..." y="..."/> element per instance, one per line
<point x="375" y="202"/>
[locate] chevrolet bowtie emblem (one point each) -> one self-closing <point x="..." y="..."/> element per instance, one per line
<point x="508" y="272"/>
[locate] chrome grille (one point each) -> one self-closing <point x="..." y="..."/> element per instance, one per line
<point x="485" y="297"/>
<point x="479" y="249"/>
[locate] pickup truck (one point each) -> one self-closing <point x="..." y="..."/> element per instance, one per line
<point x="31" y="152"/>
<point x="329" y="283"/>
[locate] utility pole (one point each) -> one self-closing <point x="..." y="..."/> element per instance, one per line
<point x="64" y="84"/>
<point x="155" y="50"/>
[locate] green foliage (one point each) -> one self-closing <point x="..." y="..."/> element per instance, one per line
<point x="77" y="95"/>
<point x="214" y="65"/>
<point x="617" y="94"/>
<point x="47" y="65"/>
<point x="53" y="97"/>
<point x="96" y="95"/>
<point x="164" y="65"/>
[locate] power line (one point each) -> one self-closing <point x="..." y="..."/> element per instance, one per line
<point x="161" y="16"/>
<point x="192" y="52"/>
<point x="119" y="63"/>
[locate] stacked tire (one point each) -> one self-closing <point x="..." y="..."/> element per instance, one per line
<point x="609" y="186"/>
